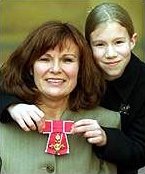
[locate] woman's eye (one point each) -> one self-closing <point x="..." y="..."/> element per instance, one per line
<point x="44" y="59"/>
<point x="68" y="60"/>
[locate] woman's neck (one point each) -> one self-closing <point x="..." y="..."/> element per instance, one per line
<point x="53" y="109"/>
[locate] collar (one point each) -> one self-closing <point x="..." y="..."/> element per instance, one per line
<point x="125" y="84"/>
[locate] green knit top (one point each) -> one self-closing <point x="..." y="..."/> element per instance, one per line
<point x="23" y="152"/>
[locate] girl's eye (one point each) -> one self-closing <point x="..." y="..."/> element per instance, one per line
<point x="119" y="42"/>
<point x="99" y="45"/>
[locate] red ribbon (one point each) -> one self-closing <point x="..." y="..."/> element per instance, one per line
<point x="57" y="142"/>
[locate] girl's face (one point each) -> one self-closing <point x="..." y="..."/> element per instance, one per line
<point x="55" y="73"/>
<point x="112" y="47"/>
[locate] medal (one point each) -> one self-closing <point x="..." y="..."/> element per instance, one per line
<point x="57" y="143"/>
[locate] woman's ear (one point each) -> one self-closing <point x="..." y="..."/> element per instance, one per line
<point x="31" y="72"/>
<point x="133" y="40"/>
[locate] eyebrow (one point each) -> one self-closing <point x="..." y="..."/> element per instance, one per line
<point x="73" y="55"/>
<point x="100" y="40"/>
<point x="97" y="41"/>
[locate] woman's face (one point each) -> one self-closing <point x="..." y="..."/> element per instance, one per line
<point x="112" y="47"/>
<point x="55" y="72"/>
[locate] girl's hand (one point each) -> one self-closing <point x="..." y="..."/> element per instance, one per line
<point x="91" y="130"/>
<point x="29" y="117"/>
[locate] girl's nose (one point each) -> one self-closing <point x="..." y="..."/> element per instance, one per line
<point x="110" y="52"/>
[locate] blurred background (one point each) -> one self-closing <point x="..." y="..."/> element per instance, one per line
<point x="19" y="17"/>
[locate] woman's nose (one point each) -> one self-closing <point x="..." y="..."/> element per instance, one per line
<point x="55" y="67"/>
<point x="110" y="52"/>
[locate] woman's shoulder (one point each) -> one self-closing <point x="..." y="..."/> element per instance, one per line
<point x="105" y="117"/>
<point x="98" y="110"/>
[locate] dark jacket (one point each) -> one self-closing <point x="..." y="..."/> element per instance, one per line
<point x="126" y="94"/>
<point x="125" y="148"/>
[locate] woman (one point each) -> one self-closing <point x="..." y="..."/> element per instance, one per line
<point x="110" y="33"/>
<point x="49" y="69"/>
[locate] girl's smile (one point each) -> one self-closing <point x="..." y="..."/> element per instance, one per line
<point x="112" y="47"/>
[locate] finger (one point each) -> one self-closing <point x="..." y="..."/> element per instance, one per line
<point x="96" y="140"/>
<point x="30" y="123"/>
<point x="82" y="129"/>
<point x="84" y="122"/>
<point x="39" y="112"/>
<point x="39" y="121"/>
<point x="99" y="140"/>
<point x="23" y="125"/>
<point x="35" y="116"/>
<point x="86" y="128"/>
<point x="41" y="126"/>
<point x="94" y="133"/>
<point x="19" y="119"/>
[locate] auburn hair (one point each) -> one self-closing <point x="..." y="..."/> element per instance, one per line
<point x="16" y="72"/>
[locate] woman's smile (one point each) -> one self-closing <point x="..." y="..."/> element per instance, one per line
<point x="55" y="72"/>
<point x="56" y="82"/>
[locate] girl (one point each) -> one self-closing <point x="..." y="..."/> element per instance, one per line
<point x="110" y="33"/>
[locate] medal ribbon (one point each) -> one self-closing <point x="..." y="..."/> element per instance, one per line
<point x="57" y="143"/>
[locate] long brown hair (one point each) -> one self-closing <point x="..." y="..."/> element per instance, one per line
<point x="17" y="79"/>
<point x="108" y="12"/>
